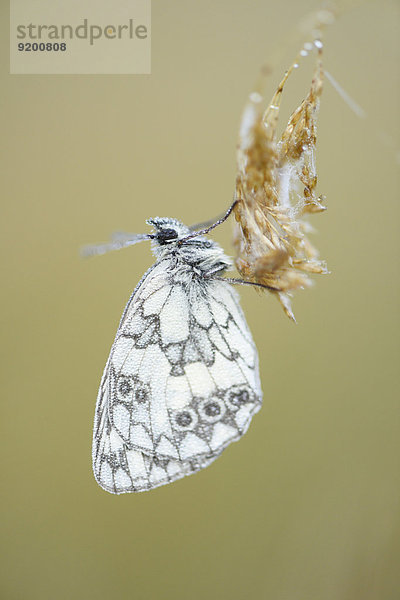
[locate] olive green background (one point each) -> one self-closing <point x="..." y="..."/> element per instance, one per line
<point x="306" y="505"/>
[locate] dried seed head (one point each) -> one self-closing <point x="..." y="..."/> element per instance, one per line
<point x="276" y="188"/>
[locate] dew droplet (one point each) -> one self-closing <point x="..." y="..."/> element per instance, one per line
<point x="255" y="97"/>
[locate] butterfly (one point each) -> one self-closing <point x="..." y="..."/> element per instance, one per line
<point x="182" y="379"/>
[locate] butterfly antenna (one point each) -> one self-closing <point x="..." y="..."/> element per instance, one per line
<point x="210" y="227"/>
<point x="119" y="240"/>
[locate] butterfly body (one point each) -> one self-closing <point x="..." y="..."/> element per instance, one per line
<point x="181" y="382"/>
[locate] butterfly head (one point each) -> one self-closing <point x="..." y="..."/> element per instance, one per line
<point x="173" y="237"/>
<point x="167" y="231"/>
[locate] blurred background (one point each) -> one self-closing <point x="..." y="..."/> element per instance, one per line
<point x="306" y="506"/>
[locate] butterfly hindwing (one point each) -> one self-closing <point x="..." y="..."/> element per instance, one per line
<point x="181" y="382"/>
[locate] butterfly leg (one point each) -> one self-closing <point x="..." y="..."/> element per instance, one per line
<point x="235" y="281"/>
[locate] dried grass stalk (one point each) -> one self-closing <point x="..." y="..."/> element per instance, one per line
<point x="276" y="188"/>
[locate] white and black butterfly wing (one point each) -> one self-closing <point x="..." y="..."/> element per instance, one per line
<point x="181" y="383"/>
